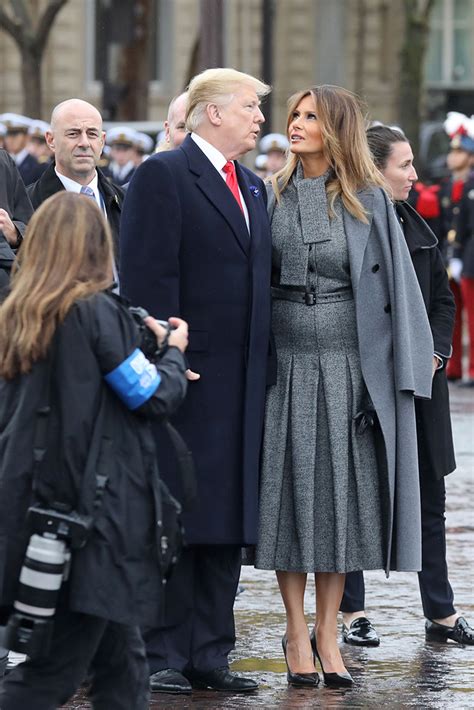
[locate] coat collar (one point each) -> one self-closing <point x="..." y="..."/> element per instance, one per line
<point x="49" y="184"/>
<point x="214" y="188"/>
<point x="418" y="234"/>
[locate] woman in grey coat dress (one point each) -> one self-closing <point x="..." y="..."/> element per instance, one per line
<point x="339" y="485"/>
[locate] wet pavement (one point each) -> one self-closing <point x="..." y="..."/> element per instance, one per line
<point x="405" y="671"/>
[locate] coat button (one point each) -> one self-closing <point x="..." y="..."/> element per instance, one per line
<point x="311" y="268"/>
<point x="375" y="268"/>
<point x="387" y="308"/>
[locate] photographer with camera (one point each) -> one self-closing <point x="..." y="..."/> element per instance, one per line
<point x="82" y="545"/>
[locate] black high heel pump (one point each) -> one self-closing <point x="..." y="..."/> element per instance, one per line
<point x="335" y="680"/>
<point x="299" y="680"/>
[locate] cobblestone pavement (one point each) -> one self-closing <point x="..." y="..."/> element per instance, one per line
<point x="405" y="671"/>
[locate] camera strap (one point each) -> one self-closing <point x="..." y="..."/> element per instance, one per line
<point x="93" y="464"/>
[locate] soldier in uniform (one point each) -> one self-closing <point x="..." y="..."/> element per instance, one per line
<point x="16" y="140"/>
<point x="451" y="191"/>
<point x="463" y="249"/>
<point x="274" y="145"/>
<point x="142" y="147"/>
<point x="37" y="145"/>
<point x="121" y="141"/>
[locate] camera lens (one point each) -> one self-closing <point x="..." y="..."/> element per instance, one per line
<point x="41" y="576"/>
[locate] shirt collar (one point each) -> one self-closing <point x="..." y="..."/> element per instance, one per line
<point x="211" y="153"/>
<point x="73" y="186"/>
<point x="20" y="157"/>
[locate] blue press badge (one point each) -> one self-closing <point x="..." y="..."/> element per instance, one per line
<point x="135" y="380"/>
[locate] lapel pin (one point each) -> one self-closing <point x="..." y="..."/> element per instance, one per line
<point x="254" y="190"/>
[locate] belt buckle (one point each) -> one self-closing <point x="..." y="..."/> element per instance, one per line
<point x="309" y="298"/>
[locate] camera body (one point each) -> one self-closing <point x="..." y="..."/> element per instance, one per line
<point x="46" y="565"/>
<point x="148" y="342"/>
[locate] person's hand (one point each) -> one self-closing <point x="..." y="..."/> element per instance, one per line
<point x="179" y="336"/>
<point x="192" y="376"/>
<point x="435" y="365"/>
<point x="8" y="228"/>
<point x="455" y="269"/>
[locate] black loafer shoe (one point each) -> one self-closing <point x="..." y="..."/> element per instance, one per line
<point x="169" y="681"/>
<point x="461" y="632"/>
<point x="223" y="679"/>
<point x="360" y="633"/>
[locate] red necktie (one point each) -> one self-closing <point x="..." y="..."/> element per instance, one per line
<point x="231" y="181"/>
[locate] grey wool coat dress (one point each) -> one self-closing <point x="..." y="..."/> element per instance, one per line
<point x="396" y="354"/>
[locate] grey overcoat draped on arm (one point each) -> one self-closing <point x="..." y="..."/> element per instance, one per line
<point x="396" y="350"/>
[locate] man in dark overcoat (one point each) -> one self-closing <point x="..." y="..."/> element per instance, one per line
<point x="76" y="138"/>
<point x="15" y="211"/>
<point x="195" y="241"/>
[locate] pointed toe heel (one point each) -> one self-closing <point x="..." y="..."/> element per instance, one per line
<point x="298" y="680"/>
<point x="333" y="680"/>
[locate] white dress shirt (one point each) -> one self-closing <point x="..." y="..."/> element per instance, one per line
<point x="73" y="186"/>
<point x="218" y="161"/>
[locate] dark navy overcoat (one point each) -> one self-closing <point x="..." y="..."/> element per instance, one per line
<point x="186" y="250"/>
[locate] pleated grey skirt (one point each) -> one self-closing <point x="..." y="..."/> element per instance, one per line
<point x="321" y="497"/>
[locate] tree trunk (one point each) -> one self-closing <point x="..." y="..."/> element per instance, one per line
<point x="135" y="72"/>
<point x="31" y="81"/>
<point x="412" y="69"/>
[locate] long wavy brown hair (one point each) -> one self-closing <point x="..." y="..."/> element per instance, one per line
<point x="342" y="123"/>
<point x="66" y="255"/>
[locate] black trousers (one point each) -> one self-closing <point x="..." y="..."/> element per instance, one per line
<point x="112" y="654"/>
<point x="436" y="592"/>
<point x="198" y="630"/>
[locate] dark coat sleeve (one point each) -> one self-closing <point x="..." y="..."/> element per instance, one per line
<point x="116" y="337"/>
<point x="14" y="198"/>
<point x="150" y="240"/>
<point x="442" y="311"/>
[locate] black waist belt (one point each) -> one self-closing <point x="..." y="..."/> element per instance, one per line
<point x="308" y="298"/>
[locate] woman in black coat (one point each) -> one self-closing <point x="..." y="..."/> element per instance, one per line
<point x="76" y="386"/>
<point x="394" y="158"/>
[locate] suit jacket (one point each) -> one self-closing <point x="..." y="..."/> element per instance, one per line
<point x="13" y="199"/>
<point x="435" y="438"/>
<point x="186" y="250"/>
<point x="49" y="184"/>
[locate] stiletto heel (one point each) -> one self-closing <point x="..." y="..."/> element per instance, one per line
<point x="299" y="680"/>
<point x="335" y="680"/>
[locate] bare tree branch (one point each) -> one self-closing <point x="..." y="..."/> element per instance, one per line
<point x="11" y="26"/>
<point x="46" y="21"/>
<point x="21" y="12"/>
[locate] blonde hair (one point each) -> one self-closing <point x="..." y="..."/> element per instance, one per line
<point x="216" y="86"/>
<point x="66" y="255"/>
<point x="345" y="147"/>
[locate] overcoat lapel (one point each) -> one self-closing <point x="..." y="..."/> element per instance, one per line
<point x="251" y="197"/>
<point x="217" y="192"/>
<point x="357" y="236"/>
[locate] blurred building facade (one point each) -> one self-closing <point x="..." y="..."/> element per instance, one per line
<point x="354" y="43"/>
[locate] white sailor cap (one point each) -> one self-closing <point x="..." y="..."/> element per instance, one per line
<point x="261" y="161"/>
<point x="274" y="141"/>
<point x="15" y="122"/>
<point x="143" y="142"/>
<point x="121" y="135"/>
<point x="3" y="129"/>
<point x="37" y="129"/>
